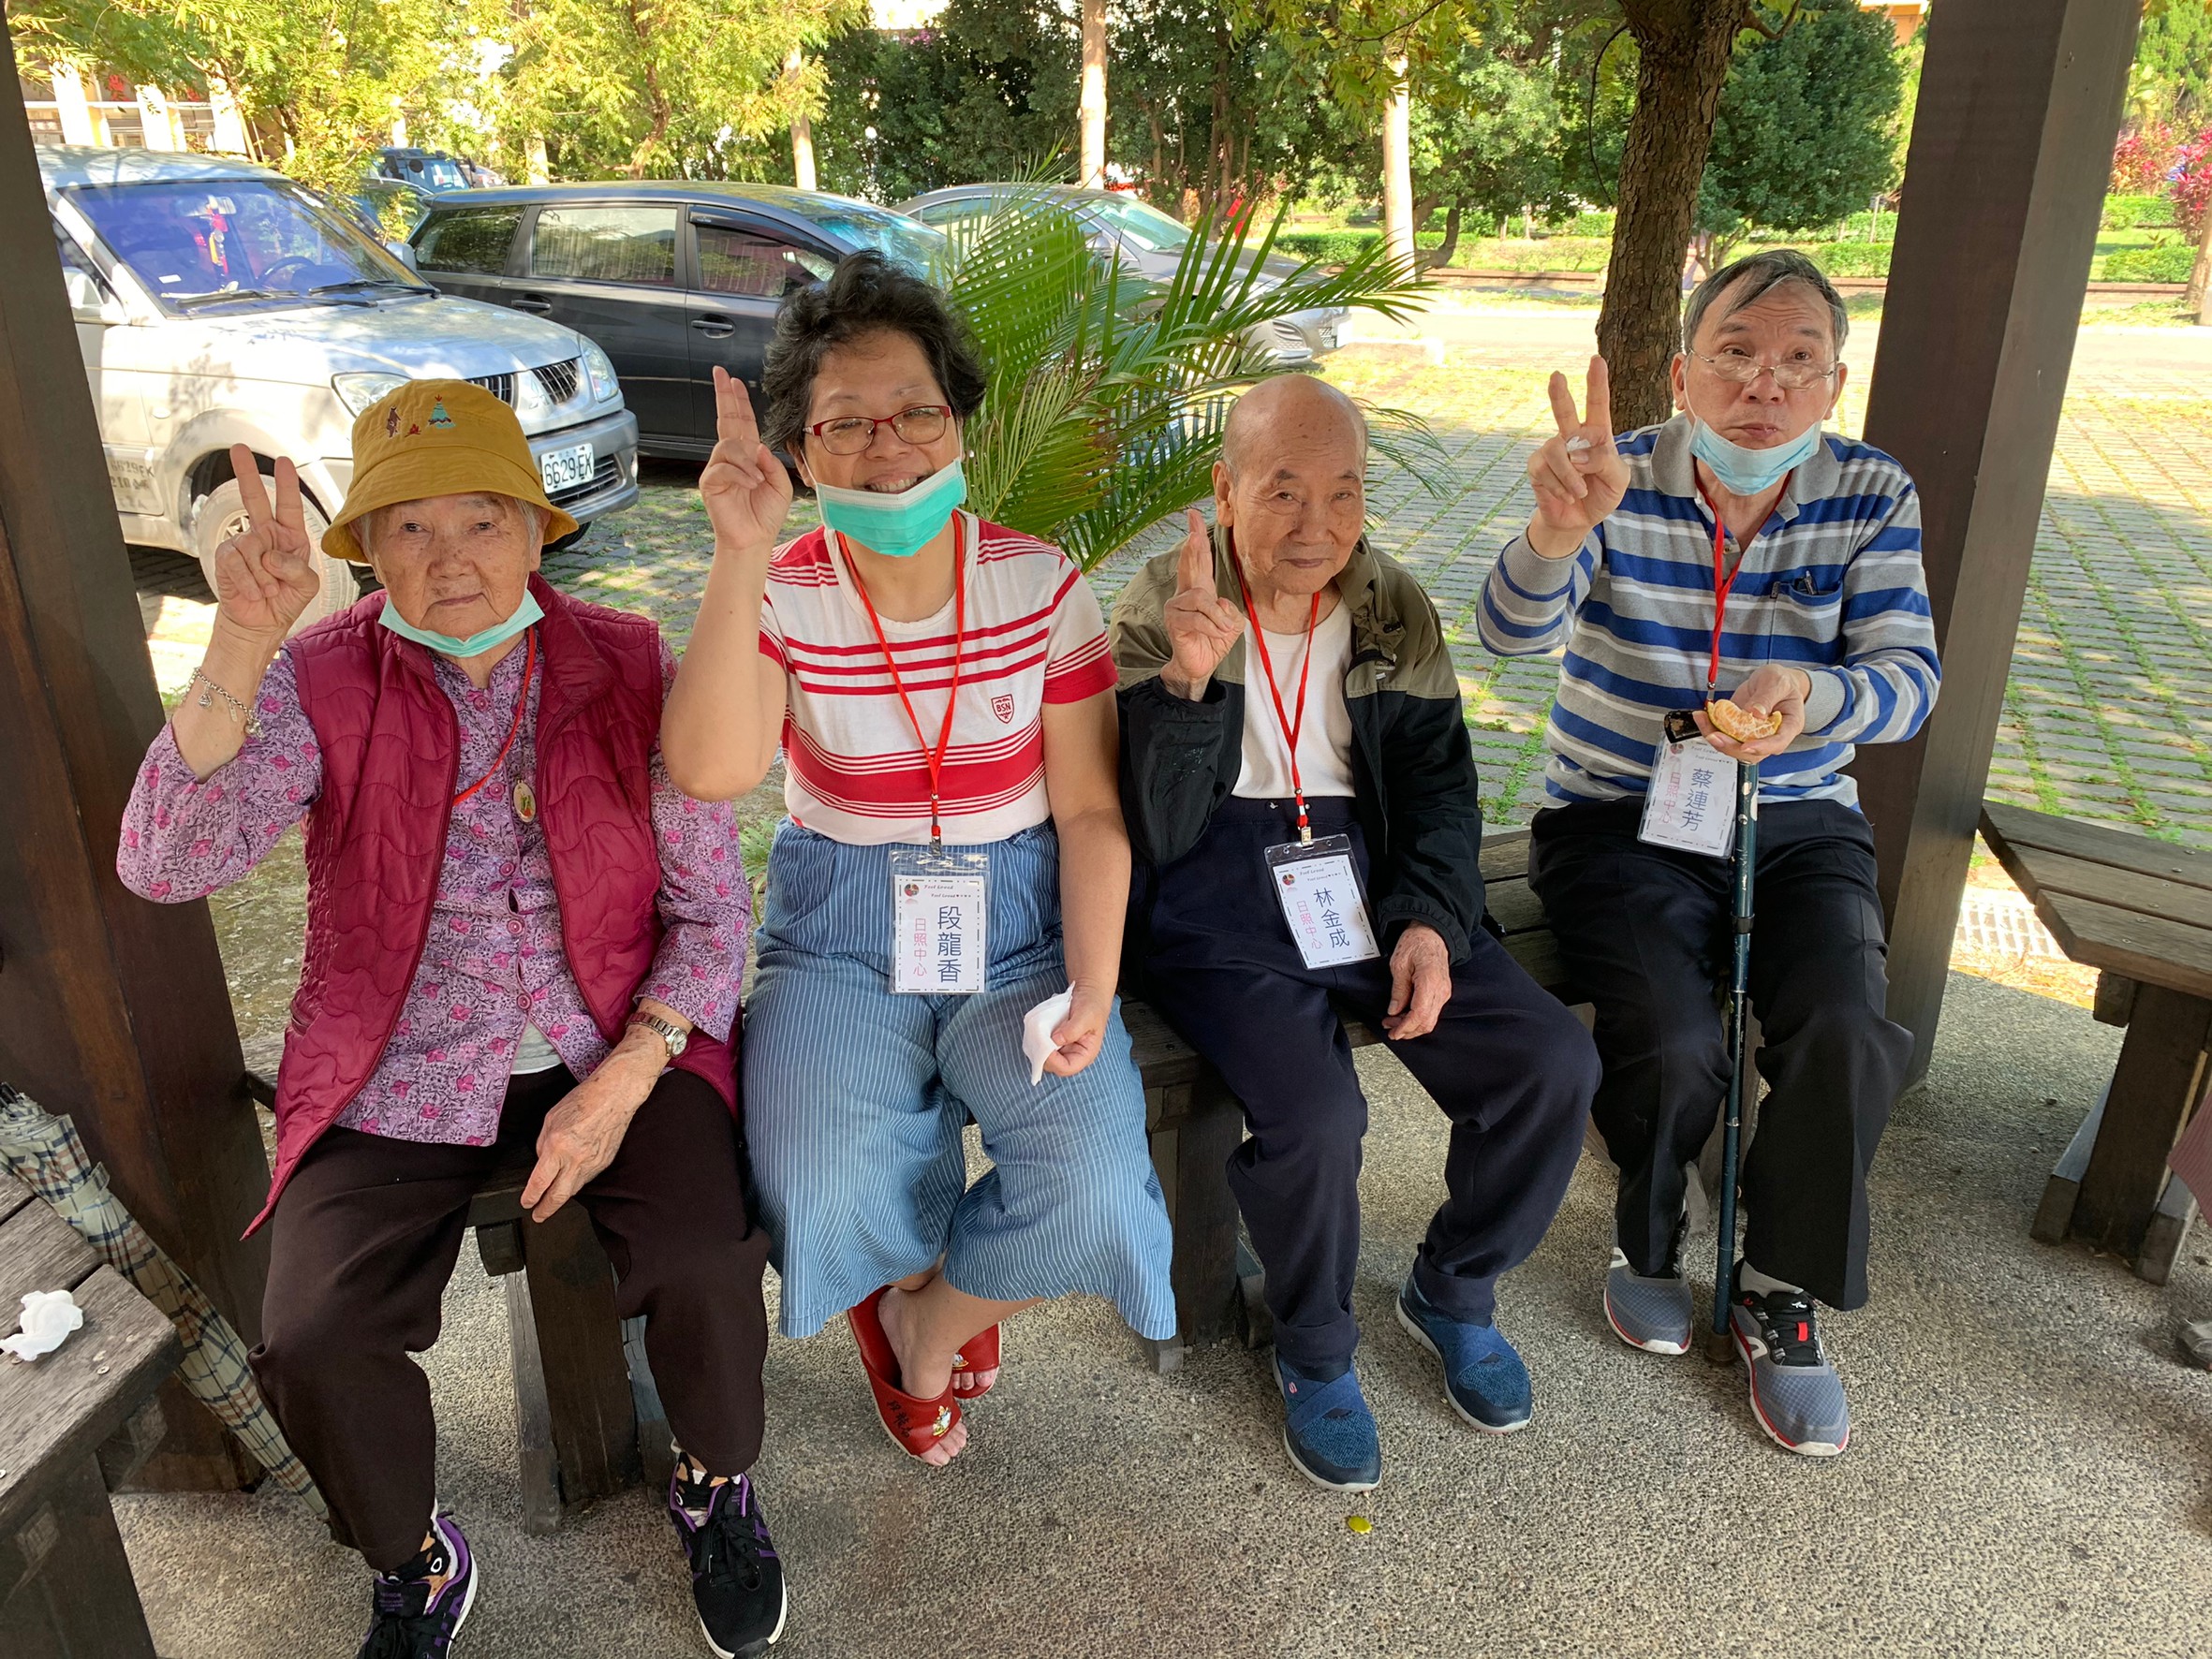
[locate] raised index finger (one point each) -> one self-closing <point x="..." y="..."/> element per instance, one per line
<point x="1563" y="405"/>
<point x="1598" y="396"/>
<point x="733" y="410"/>
<point x="1194" y="572"/>
<point x="252" y="493"/>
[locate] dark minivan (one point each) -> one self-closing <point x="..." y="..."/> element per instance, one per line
<point x="670" y="279"/>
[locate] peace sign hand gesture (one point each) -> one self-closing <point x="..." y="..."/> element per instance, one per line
<point x="745" y="488"/>
<point x="265" y="575"/>
<point x="1578" y="475"/>
<point x="1202" y="626"/>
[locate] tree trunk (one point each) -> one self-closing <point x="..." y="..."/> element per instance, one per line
<point x="1397" y="169"/>
<point x="802" y="130"/>
<point x="1093" y="104"/>
<point x="533" y="160"/>
<point x="1442" y="257"/>
<point x="2199" y="295"/>
<point x="1683" y="47"/>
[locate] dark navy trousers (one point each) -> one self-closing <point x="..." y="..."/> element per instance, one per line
<point x="1645" y="931"/>
<point x="1510" y="1068"/>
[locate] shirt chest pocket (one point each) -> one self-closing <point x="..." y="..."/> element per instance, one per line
<point x="1807" y="604"/>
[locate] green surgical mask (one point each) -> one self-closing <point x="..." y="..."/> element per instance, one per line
<point x="477" y="644"/>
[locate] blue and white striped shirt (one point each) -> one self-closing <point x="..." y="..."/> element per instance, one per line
<point x="1831" y="584"/>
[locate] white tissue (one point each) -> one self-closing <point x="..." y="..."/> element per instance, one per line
<point x="49" y="1317"/>
<point x="1038" y="1025"/>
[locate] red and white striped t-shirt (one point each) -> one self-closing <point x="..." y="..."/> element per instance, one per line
<point x="852" y="769"/>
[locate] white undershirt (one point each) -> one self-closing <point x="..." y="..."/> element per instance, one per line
<point x="1324" y="741"/>
<point x="533" y="1053"/>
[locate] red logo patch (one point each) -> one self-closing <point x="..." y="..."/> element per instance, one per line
<point x="1003" y="706"/>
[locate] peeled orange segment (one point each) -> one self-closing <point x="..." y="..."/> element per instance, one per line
<point x="1740" y="724"/>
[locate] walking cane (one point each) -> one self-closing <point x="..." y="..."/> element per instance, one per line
<point x="1739" y="1019"/>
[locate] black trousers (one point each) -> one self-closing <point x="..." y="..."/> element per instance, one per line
<point x="1509" y="1065"/>
<point x="366" y="1236"/>
<point x="1645" y="931"/>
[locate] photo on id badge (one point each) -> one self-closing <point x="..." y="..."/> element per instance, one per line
<point x="1323" y="902"/>
<point x="1691" y="804"/>
<point x="941" y="928"/>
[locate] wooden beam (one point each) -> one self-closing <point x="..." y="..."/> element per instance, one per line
<point x="2012" y="144"/>
<point x="111" y="1009"/>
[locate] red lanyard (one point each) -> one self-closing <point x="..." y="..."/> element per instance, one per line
<point x="522" y="701"/>
<point x="934" y="760"/>
<point x="1722" y="587"/>
<point x="1292" y="726"/>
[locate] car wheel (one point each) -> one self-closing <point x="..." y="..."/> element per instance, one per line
<point x="221" y="515"/>
<point x="562" y="544"/>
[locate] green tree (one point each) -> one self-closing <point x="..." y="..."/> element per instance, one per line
<point x="1805" y="132"/>
<point x="1485" y="136"/>
<point x="2170" y="83"/>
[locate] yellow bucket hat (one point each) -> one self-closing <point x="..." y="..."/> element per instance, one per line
<point x="438" y="438"/>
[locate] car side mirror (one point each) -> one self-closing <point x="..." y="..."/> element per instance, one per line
<point x="405" y="253"/>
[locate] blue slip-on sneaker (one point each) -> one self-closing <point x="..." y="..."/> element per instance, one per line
<point x="1796" y="1394"/>
<point x="1329" y="1431"/>
<point x="737" y="1578"/>
<point x="416" y="1615"/>
<point x="1652" y="1314"/>
<point x="1484" y="1380"/>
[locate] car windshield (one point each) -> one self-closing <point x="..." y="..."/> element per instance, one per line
<point x="199" y="243"/>
<point x="435" y="172"/>
<point x="1140" y="222"/>
<point x="905" y="242"/>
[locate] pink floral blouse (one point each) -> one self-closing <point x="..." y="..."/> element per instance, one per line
<point x="494" y="962"/>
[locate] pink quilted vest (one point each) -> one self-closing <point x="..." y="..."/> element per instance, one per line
<point x="377" y="839"/>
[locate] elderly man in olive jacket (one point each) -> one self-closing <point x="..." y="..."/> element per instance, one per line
<point x="1301" y="798"/>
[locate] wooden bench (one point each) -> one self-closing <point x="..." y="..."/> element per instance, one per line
<point x="589" y="1418"/>
<point x="73" y="1424"/>
<point x="2139" y="911"/>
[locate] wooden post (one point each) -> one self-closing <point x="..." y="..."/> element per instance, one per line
<point x="2012" y="143"/>
<point x="111" y="1009"/>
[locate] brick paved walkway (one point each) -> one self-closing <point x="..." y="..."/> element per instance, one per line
<point x="2107" y="715"/>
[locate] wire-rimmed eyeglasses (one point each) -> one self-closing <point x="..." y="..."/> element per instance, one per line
<point x="1789" y="376"/>
<point x="849" y="434"/>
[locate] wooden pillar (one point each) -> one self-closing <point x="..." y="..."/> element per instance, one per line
<point x="2011" y="145"/>
<point x="111" y="1009"/>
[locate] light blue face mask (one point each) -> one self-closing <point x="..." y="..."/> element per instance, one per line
<point x="1746" y="472"/>
<point x="900" y="525"/>
<point x="528" y="612"/>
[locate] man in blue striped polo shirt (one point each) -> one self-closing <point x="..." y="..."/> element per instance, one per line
<point x="1732" y="551"/>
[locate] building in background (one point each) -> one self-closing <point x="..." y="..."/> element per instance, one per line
<point x="102" y="109"/>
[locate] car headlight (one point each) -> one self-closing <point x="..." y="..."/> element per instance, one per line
<point x="605" y="387"/>
<point x="358" y="390"/>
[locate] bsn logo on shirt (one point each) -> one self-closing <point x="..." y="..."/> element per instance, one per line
<point x="1003" y="706"/>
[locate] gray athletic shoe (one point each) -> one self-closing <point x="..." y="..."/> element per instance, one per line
<point x="1795" y="1393"/>
<point x="1653" y="1314"/>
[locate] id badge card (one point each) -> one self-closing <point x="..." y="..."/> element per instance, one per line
<point x="1690" y="805"/>
<point x="1321" y="901"/>
<point x="940" y="935"/>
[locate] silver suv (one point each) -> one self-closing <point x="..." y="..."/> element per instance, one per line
<point x="217" y="302"/>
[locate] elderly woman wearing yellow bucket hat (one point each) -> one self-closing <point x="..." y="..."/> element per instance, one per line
<point x="522" y="942"/>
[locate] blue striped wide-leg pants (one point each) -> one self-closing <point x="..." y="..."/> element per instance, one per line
<point x="854" y="1099"/>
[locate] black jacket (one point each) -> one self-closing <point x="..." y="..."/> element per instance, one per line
<point x="1413" y="771"/>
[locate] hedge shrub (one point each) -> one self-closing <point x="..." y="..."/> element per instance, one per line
<point x="2126" y="212"/>
<point x="2165" y="261"/>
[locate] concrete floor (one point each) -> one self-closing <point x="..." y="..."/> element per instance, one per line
<point x="2030" y="1471"/>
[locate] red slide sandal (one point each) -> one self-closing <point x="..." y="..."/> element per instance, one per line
<point x="979" y="1353"/>
<point x="913" y="1424"/>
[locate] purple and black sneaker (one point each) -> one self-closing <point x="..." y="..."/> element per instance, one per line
<point x="411" y="1621"/>
<point x="736" y="1580"/>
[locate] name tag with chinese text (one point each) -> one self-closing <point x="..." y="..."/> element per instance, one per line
<point x="1321" y="901"/>
<point x="940" y="935"/>
<point x="1691" y="803"/>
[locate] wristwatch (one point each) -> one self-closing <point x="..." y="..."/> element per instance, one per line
<point x="675" y="1036"/>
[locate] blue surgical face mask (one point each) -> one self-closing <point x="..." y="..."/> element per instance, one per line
<point x="898" y="525"/>
<point x="482" y="641"/>
<point x="1746" y="472"/>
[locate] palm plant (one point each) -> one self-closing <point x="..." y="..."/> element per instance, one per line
<point x="1108" y="393"/>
